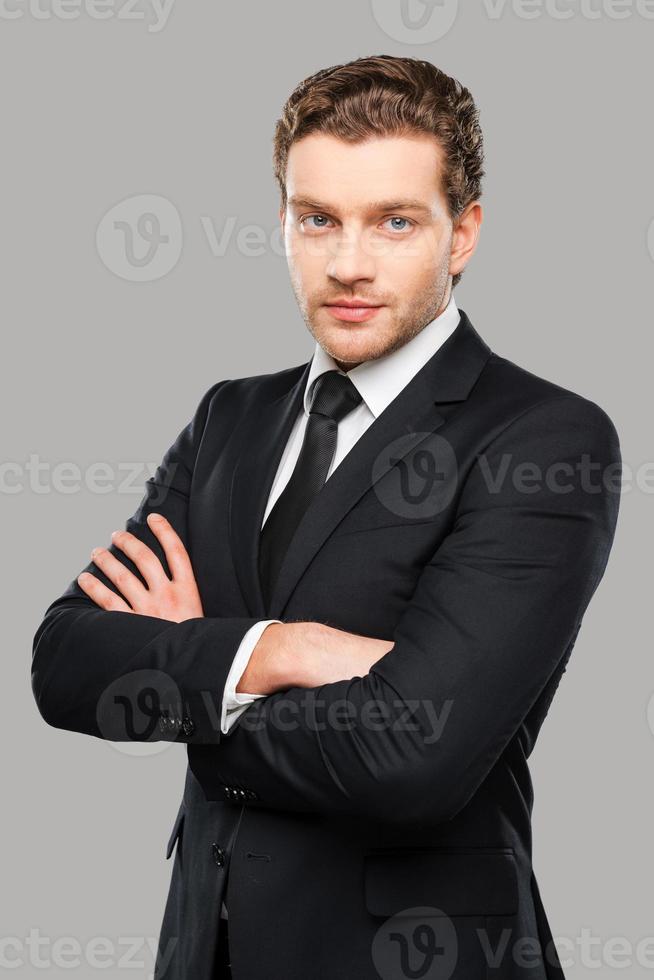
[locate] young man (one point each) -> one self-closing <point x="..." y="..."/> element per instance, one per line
<point x="352" y="586"/>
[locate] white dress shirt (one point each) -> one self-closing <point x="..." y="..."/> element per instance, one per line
<point x="378" y="382"/>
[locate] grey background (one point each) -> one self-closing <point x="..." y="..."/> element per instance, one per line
<point x="98" y="367"/>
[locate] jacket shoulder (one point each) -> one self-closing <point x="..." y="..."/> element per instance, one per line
<point x="239" y="394"/>
<point x="515" y="391"/>
<point x="274" y="383"/>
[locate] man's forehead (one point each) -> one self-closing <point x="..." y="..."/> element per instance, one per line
<point x="375" y="174"/>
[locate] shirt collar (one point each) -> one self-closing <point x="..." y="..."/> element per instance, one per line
<point x="379" y="381"/>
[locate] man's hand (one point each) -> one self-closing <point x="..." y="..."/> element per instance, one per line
<point x="308" y="654"/>
<point x="176" y="599"/>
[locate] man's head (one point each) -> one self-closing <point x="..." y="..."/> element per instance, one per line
<point x="379" y="164"/>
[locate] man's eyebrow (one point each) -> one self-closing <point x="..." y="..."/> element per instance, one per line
<point x="407" y="204"/>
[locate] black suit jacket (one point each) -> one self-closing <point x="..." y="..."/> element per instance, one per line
<point x="379" y="826"/>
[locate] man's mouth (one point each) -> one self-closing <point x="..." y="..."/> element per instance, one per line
<point x="353" y="310"/>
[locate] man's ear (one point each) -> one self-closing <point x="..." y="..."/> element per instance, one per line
<point x="465" y="237"/>
<point x="282" y="216"/>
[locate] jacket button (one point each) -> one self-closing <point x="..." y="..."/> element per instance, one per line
<point x="218" y="854"/>
<point x="188" y="726"/>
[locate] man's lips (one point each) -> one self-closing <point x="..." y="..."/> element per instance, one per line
<point x="341" y="301"/>
<point x="352" y="310"/>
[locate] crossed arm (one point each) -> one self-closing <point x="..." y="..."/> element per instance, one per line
<point x="298" y="654"/>
<point x="413" y="732"/>
<point x="130" y="631"/>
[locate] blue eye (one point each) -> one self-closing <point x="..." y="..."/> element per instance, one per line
<point x="398" y="218"/>
<point x="318" y="217"/>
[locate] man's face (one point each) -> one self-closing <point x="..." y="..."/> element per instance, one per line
<point x="369" y="222"/>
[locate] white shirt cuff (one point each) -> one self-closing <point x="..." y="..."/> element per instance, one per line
<point x="234" y="704"/>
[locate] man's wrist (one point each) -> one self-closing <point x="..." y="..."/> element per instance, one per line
<point x="290" y="653"/>
<point x="307" y="654"/>
<point x="277" y="661"/>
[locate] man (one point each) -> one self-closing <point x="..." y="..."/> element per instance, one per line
<point x="353" y="586"/>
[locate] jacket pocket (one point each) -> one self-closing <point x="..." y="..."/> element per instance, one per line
<point x="177" y="829"/>
<point x="473" y="881"/>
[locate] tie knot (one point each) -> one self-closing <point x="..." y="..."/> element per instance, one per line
<point x="334" y="395"/>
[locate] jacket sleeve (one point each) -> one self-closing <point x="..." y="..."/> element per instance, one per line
<point x="129" y="677"/>
<point x="493" y="616"/>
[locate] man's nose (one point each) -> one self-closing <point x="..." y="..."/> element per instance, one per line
<point x="350" y="259"/>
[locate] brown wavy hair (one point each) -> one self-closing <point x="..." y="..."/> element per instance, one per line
<point x="386" y="95"/>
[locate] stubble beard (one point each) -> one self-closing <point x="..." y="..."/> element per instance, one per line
<point x="429" y="304"/>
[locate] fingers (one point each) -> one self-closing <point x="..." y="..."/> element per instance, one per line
<point x="125" y="581"/>
<point x="173" y="546"/>
<point x="100" y="594"/>
<point x="143" y="557"/>
<point x="175" y="599"/>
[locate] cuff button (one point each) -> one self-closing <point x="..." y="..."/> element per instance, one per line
<point x="188" y="726"/>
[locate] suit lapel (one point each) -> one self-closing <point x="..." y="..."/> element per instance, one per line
<point x="414" y="414"/>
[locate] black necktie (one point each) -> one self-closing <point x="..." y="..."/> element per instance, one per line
<point x="333" y="396"/>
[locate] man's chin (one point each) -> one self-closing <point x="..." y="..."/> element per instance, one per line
<point x="349" y="355"/>
<point x="351" y="342"/>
